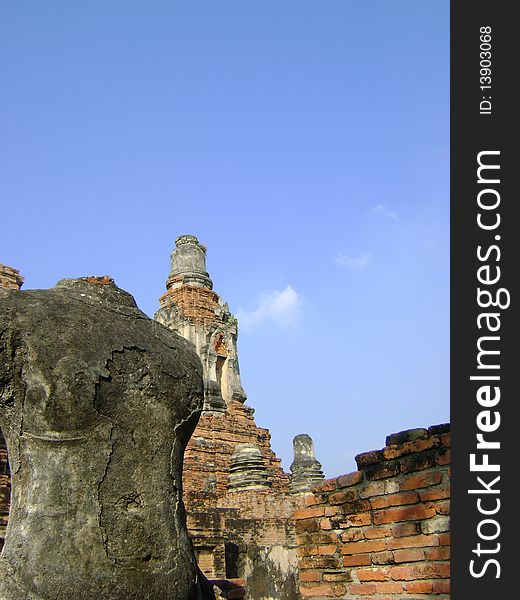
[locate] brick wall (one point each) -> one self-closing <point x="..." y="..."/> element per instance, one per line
<point x="381" y="532"/>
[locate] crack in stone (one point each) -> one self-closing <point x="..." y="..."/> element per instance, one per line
<point x="104" y="536"/>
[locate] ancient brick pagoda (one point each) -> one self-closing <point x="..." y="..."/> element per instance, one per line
<point x="238" y="498"/>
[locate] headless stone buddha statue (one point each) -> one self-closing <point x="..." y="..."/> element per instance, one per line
<point x="97" y="403"/>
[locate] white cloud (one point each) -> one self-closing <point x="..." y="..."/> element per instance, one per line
<point x="383" y="210"/>
<point x="283" y="308"/>
<point x="354" y="263"/>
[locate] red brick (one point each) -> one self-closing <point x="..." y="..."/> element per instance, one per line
<point x="409" y="513"/>
<point x="441" y="587"/>
<point x="363" y="589"/>
<point x="362" y="547"/>
<point x="419" y="587"/>
<point x="350" y="479"/>
<point x="352" y="535"/>
<point x="372" y="533"/>
<point x="418" y="462"/>
<point x="389" y="587"/>
<point x="328" y="485"/>
<point x="325" y="524"/>
<point x="375" y="488"/>
<point x="413" y="541"/>
<point x="434" y="494"/>
<point x="376" y="574"/>
<point x="309" y="512"/>
<point x="446" y="439"/>
<point x="343" y="496"/>
<point x="358" y="520"/>
<point x="369" y="458"/>
<point x="382" y="558"/>
<point x="421" y="571"/>
<point x="382" y="471"/>
<point x="411" y="447"/>
<point x="306" y="576"/>
<point x="421" y="480"/>
<point x="439" y="553"/>
<point x="322" y="590"/>
<point x="444" y="539"/>
<point x="357" y="560"/>
<point x="328" y="549"/>
<point x="394" y="500"/>
<point x="405" y="529"/>
<point x="442" y="508"/>
<point x="330" y="511"/>
<point x="312" y="500"/>
<point x="320" y="562"/>
<point x="409" y="555"/>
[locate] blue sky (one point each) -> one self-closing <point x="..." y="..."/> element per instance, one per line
<point x="305" y="143"/>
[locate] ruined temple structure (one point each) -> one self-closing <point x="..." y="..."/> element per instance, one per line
<point x="260" y="533"/>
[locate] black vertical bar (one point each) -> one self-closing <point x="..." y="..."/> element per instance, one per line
<point x="483" y="121"/>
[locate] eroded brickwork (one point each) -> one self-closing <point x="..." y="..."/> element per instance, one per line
<point x="383" y="531"/>
<point x="196" y="304"/>
<point x="10" y="278"/>
<point x="218" y="516"/>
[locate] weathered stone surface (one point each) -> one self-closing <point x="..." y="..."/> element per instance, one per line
<point x="97" y="405"/>
<point x="188" y="263"/>
<point x="305" y="469"/>
<point x="247" y="467"/>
